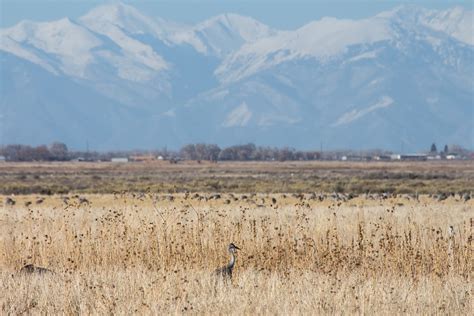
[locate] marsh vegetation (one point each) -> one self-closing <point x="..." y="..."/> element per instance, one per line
<point x="151" y="253"/>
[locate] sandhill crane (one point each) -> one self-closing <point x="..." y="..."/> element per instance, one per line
<point x="32" y="269"/>
<point x="226" y="271"/>
<point x="441" y="197"/>
<point x="83" y="200"/>
<point x="10" y="201"/>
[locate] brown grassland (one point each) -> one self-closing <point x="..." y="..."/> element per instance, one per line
<point x="238" y="177"/>
<point x="153" y="252"/>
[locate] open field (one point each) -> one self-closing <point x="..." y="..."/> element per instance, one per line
<point x="239" y="177"/>
<point x="154" y="253"/>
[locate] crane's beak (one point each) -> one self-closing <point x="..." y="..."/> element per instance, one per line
<point x="237" y="247"/>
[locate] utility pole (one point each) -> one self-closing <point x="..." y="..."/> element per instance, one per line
<point x="321" y="150"/>
<point x="87" y="149"/>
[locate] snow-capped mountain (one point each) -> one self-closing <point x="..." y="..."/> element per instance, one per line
<point x="124" y="79"/>
<point x="329" y="38"/>
<point x="323" y="40"/>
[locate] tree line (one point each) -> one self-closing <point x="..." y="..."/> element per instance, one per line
<point x="58" y="151"/>
<point x="244" y="153"/>
<point x="54" y="152"/>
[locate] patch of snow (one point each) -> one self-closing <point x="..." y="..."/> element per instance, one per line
<point x="432" y="100"/>
<point x="239" y="116"/>
<point x="366" y="55"/>
<point x="285" y="80"/>
<point x="269" y="120"/>
<point x="219" y="95"/>
<point x="170" y="113"/>
<point x="353" y="115"/>
<point x="127" y="68"/>
<point x="127" y="18"/>
<point x="374" y="82"/>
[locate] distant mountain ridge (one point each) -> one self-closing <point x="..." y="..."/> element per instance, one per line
<point x="117" y="78"/>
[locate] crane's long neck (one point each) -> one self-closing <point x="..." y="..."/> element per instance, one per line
<point x="232" y="260"/>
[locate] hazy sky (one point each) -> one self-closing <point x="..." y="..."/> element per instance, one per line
<point x="281" y="14"/>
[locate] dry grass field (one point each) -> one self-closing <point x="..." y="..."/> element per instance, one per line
<point x="238" y="177"/>
<point x="147" y="253"/>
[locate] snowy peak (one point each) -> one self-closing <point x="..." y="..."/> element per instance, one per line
<point x="457" y="22"/>
<point x="61" y="36"/>
<point x="248" y="29"/>
<point x="323" y="39"/>
<point x="68" y="42"/>
<point x="117" y="22"/>
<point x="223" y="34"/>
<point x="216" y="36"/>
<point x="122" y="16"/>
<point x="115" y="13"/>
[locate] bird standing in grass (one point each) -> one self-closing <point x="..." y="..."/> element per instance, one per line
<point x="226" y="271"/>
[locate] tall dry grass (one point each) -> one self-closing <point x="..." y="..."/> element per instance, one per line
<point x="154" y="254"/>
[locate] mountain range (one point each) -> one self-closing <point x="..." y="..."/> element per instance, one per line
<point x="117" y="78"/>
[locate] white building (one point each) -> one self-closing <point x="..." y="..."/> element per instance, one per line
<point x="119" y="159"/>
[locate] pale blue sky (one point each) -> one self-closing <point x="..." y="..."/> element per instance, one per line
<point x="283" y="14"/>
